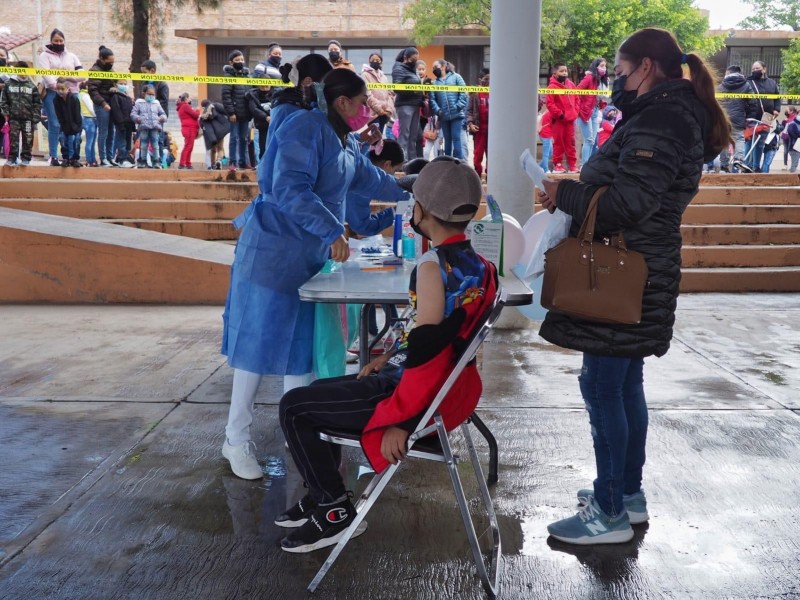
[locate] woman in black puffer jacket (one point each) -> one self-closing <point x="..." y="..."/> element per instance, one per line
<point x="652" y="165"/>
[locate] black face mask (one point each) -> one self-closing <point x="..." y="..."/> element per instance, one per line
<point x="57" y="48"/>
<point x="561" y="78"/>
<point x="415" y="224"/>
<point x="376" y="65"/>
<point x="437" y="72"/>
<point x="620" y="97"/>
<point x="3" y="62"/>
<point x="757" y="74"/>
<point x="275" y="61"/>
<point x="334" y="56"/>
<point x="106" y="66"/>
<point x="238" y="66"/>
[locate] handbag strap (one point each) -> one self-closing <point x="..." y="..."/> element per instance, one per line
<point x="586" y="233"/>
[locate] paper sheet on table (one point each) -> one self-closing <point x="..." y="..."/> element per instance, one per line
<point x="532" y="168"/>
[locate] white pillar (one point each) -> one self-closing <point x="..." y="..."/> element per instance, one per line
<point x="514" y="63"/>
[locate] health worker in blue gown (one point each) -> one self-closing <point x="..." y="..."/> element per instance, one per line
<point x="291" y="229"/>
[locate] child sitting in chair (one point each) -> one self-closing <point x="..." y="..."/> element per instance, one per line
<point x="449" y="290"/>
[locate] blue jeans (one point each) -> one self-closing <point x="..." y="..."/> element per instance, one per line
<point x="122" y="143"/>
<point x="589" y="135"/>
<point x="105" y="134"/>
<point x="148" y="137"/>
<point x="53" y="126"/>
<point x="70" y="147"/>
<point x="90" y="129"/>
<point x="237" y="146"/>
<point x="758" y="152"/>
<point x="547" y="153"/>
<point x="613" y="390"/>
<point x="769" y="154"/>
<point x="452" y="137"/>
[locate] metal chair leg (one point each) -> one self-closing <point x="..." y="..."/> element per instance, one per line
<point x="490" y="439"/>
<point x="488" y="578"/>
<point x="365" y="503"/>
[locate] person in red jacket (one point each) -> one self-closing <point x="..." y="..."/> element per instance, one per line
<point x="190" y="126"/>
<point x="610" y="115"/>
<point x="563" y="109"/>
<point x="589" y="106"/>
<point x="478" y="122"/>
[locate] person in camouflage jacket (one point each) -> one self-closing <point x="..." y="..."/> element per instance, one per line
<point x="21" y="106"/>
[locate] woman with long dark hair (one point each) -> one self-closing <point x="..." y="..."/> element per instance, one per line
<point x="290" y="230"/>
<point x="589" y="107"/>
<point x="671" y="125"/>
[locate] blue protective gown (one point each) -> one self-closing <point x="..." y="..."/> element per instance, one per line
<point x="360" y="218"/>
<point x="285" y="240"/>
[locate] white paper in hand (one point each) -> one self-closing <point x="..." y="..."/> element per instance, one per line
<point x="532" y="168"/>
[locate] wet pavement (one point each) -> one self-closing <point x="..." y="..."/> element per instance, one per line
<point x="112" y="485"/>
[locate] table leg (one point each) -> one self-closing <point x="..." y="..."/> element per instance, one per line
<point x="363" y="335"/>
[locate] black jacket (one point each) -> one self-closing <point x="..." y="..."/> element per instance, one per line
<point x="100" y="89"/>
<point x="234" y="97"/>
<point x="255" y="101"/>
<point x="765" y="85"/>
<point x="216" y="127"/>
<point x="121" y="107"/>
<point x="737" y="108"/>
<point x="406" y="73"/>
<point x="652" y="163"/>
<point x="68" y="112"/>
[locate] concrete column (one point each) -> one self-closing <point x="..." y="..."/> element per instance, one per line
<point x="512" y="110"/>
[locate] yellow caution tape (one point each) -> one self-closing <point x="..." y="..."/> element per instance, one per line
<point x="255" y="81"/>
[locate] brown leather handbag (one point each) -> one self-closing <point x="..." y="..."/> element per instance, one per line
<point x="594" y="280"/>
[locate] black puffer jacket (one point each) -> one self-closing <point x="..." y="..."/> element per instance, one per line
<point x="234" y="97"/>
<point x="652" y="164"/>
<point x="100" y="89"/>
<point x="765" y="85"/>
<point x="406" y="73"/>
<point x="737" y="108"/>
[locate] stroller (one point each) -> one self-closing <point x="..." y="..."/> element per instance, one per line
<point x="755" y="128"/>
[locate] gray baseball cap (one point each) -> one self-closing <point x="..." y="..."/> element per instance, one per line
<point x="450" y="190"/>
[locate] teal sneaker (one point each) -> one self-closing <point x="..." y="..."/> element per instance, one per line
<point x="592" y="526"/>
<point x="635" y="504"/>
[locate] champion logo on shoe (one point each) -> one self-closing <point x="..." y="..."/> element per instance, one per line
<point x="316" y="523"/>
<point x="336" y="515"/>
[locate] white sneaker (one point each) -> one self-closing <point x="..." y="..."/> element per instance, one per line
<point x="126" y="164"/>
<point x="351" y="357"/>
<point x="243" y="462"/>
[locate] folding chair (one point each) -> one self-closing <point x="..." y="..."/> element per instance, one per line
<point x="429" y="448"/>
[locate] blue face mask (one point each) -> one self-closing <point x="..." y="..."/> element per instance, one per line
<point x="150" y="98"/>
<point x="122" y="88"/>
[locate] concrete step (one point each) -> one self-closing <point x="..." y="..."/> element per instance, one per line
<point x="747" y="195"/>
<point x="114" y="174"/>
<point x="717" y="179"/>
<point x="740" y="234"/>
<point x="200" y="229"/>
<point x="89" y="208"/>
<point x="748" y="279"/>
<point x="741" y="256"/>
<point x="126" y="190"/>
<point x="708" y="214"/>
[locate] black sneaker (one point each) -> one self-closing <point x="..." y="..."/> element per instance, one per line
<point x="324" y="527"/>
<point x="53" y="162"/>
<point x="298" y="514"/>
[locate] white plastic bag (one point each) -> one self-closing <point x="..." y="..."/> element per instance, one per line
<point x="542" y="232"/>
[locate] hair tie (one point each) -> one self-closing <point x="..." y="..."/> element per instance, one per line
<point x="683" y="59"/>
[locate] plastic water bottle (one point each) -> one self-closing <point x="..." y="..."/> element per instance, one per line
<point x="397" y="236"/>
<point x="409" y="248"/>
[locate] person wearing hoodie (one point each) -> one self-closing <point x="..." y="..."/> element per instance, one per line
<point x="737" y="109"/>
<point x="190" y="126"/>
<point x="68" y="111"/>
<point x="100" y="92"/>
<point x="449" y="107"/>
<point x="121" y="107"/>
<point x="589" y="107"/>
<point x="162" y="95"/>
<point x="234" y="98"/>
<point x="149" y="118"/>
<point x="671" y="125"/>
<point x="563" y="109"/>
<point x="380" y="102"/>
<point x="258" y="104"/>
<point x="610" y="114"/>
<point x="407" y="103"/>
<point x="56" y="56"/>
<point x="478" y="122"/>
<point x="760" y="84"/>
<point x="21" y="106"/>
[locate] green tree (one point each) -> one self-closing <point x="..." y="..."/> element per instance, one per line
<point x="790" y="78"/>
<point x="772" y="14"/>
<point x="143" y="22"/>
<point x="576" y="31"/>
